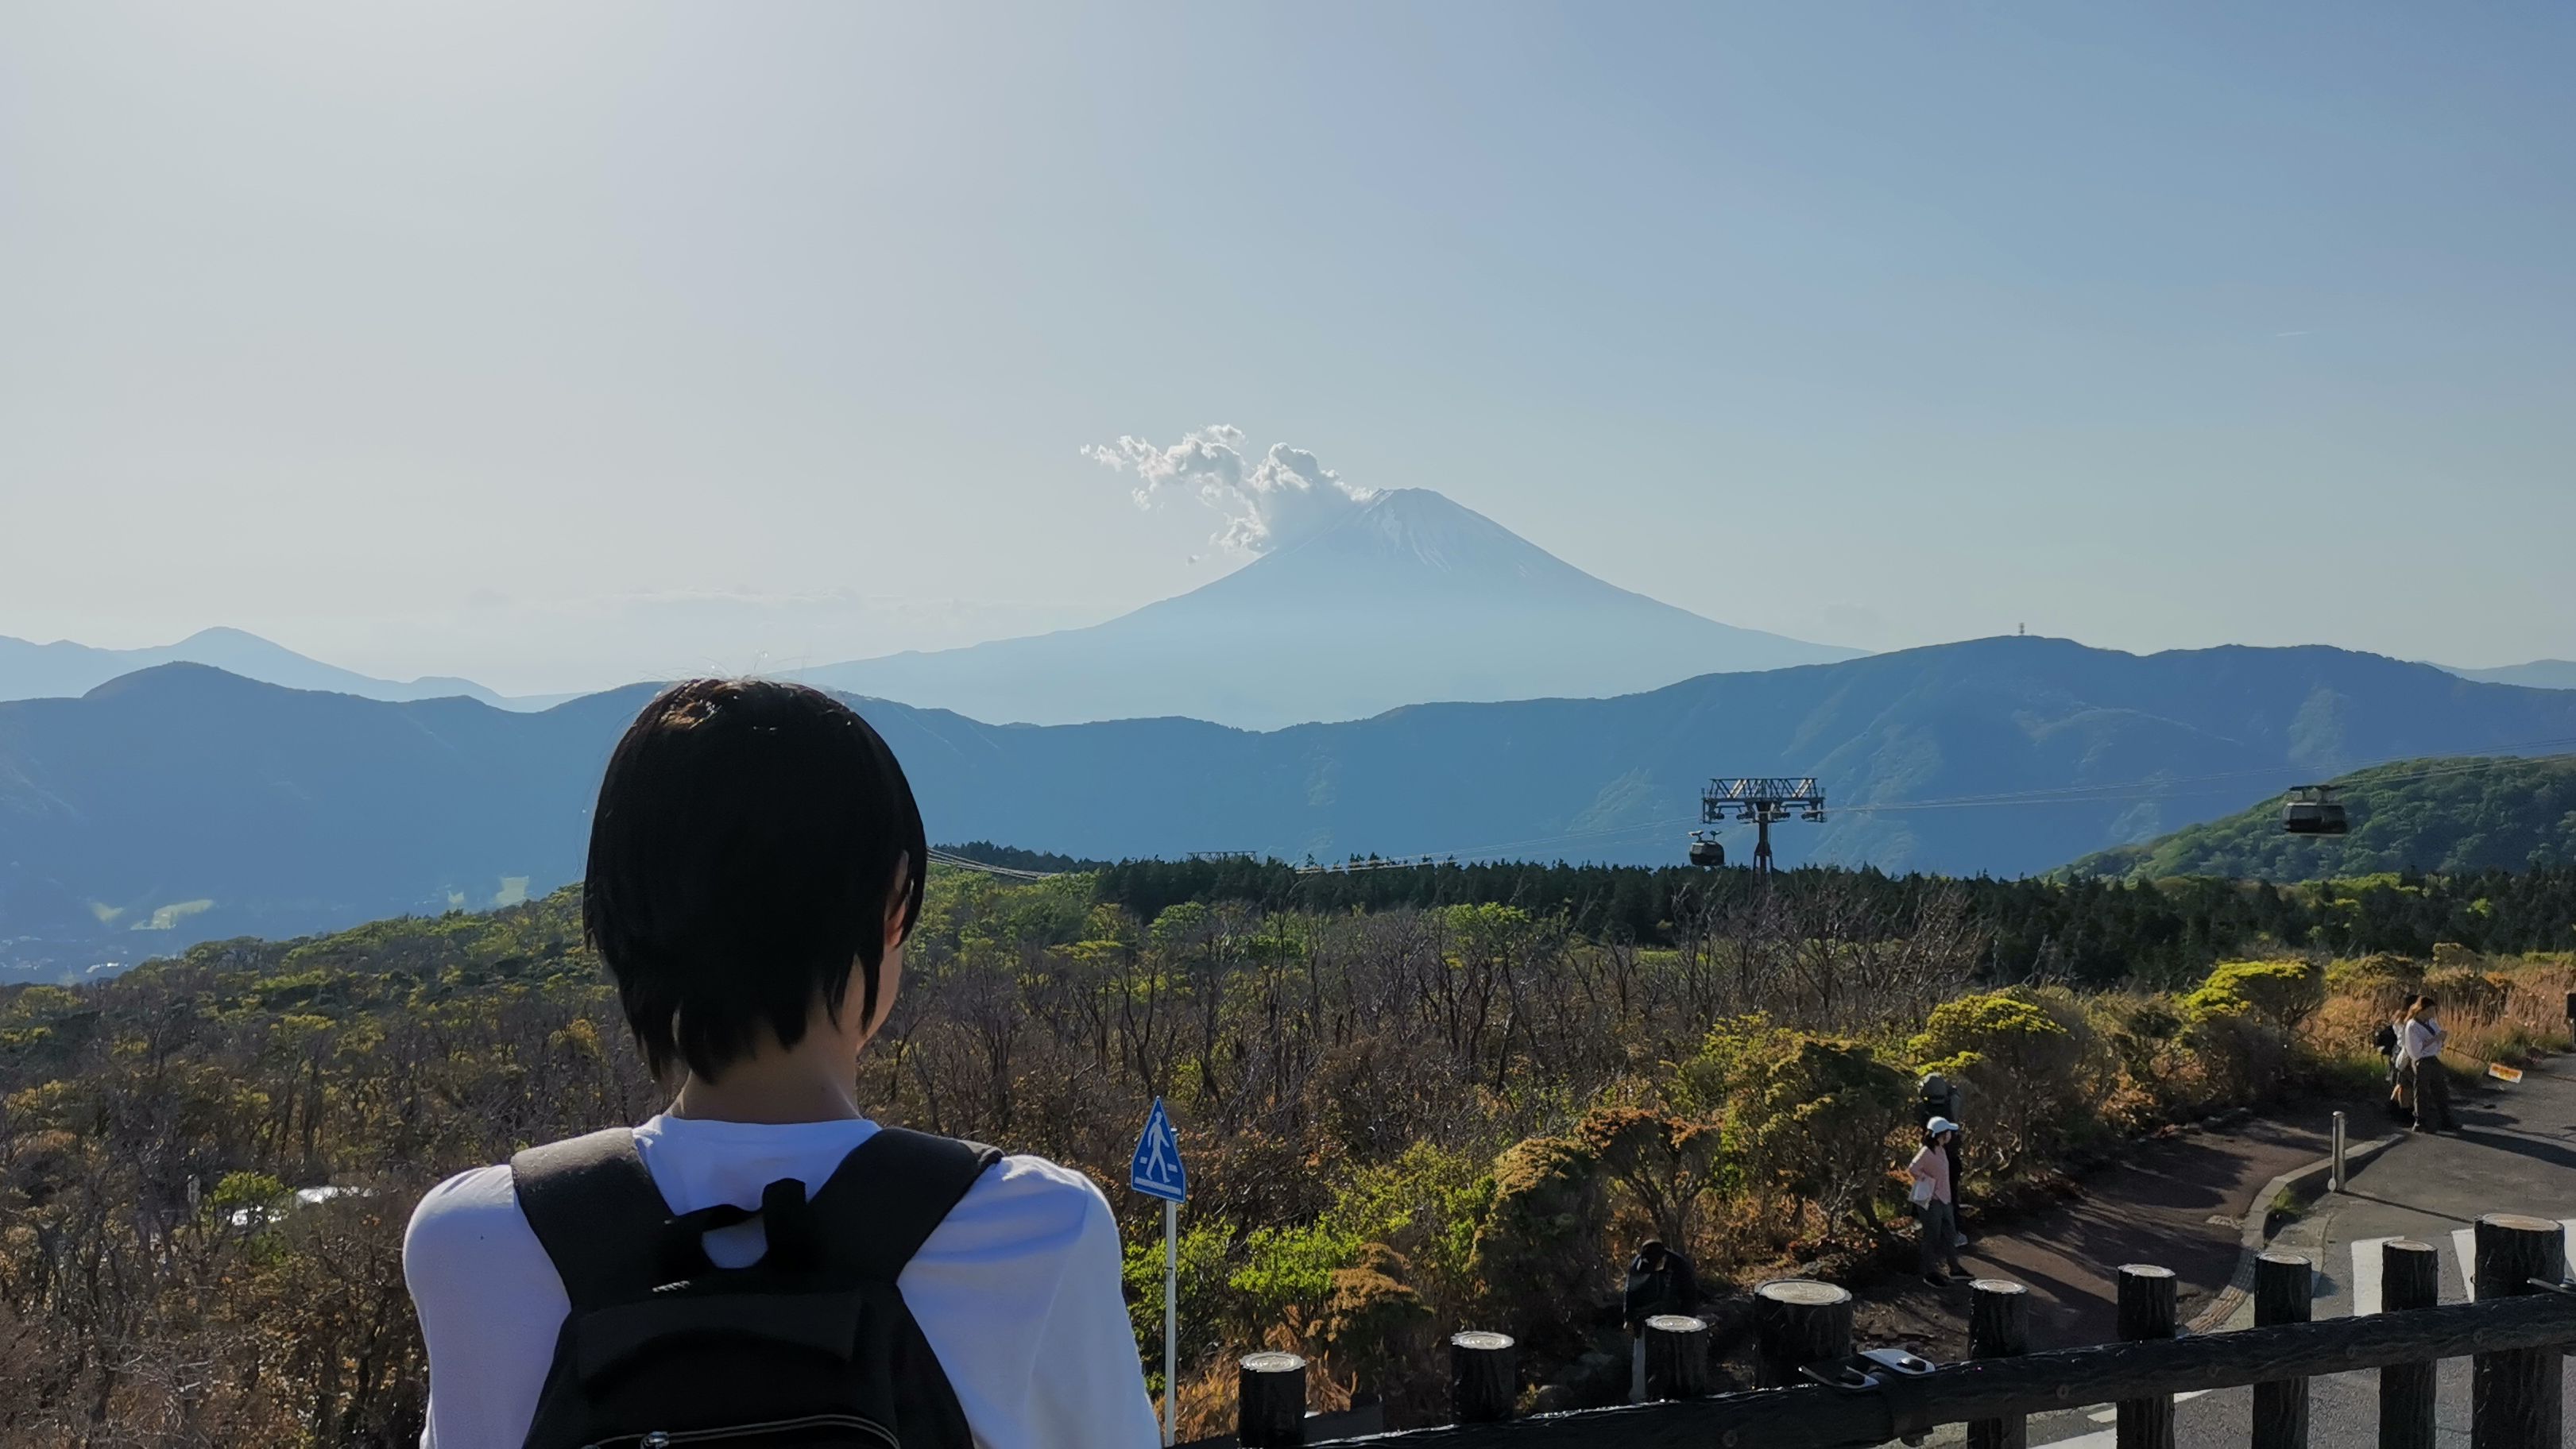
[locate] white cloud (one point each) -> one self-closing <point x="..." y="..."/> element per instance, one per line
<point x="1283" y="497"/>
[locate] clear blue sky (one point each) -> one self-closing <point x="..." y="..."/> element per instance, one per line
<point x="513" y="340"/>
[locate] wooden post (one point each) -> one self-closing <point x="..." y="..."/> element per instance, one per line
<point x="1270" y="1400"/>
<point x="2410" y="1276"/>
<point x="1796" y="1322"/>
<point x="1998" y="1327"/>
<point x="1483" y="1377"/>
<point x="2146" y="1312"/>
<point x="2513" y="1396"/>
<point x="1676" y="1357"/>
<point x="2283" y="1285"/>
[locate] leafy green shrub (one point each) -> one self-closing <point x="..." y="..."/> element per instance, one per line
<point x="2374" y="973"/>
<point x="2467" y="993"/>
<point x="1203" y="1287"/>
<point x="1816" y="1121"/>
<point x="1537" y="1252"/>
<point x="1288" y="1268"/>
<point x="1660" y="1164"/>
<point x="1425" y="1206"/>
<point x="1706" y="1084"/>
<point x="1373" y="1321"/>
<point x="2018" y="1052"/>
<point x="2237" y="1055"/>
<point x="2281" y="994"/>
<point x="256" y="1192"/>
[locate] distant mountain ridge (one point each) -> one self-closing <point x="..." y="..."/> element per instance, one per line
<point x="207" y="805"/>
<point x="64" y="669"/>
<point x="2441" y="816"/>
<point x="2538" y="674"/>
<point x="1408" y="599"/>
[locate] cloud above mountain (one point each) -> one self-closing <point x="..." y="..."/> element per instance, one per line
<point x="1285" y="495"/>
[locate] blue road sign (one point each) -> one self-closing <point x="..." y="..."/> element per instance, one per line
<point x="1157" y="1170"/>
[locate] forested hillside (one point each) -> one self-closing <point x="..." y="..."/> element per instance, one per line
<point x="182" y="804"/>
<point x="2449" y="817"/>
<point x="1398" y="1119"/>
<point x="2089" y="931"/>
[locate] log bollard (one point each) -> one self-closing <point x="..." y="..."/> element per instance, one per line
<point x="1676" y="1357"/>
<point x="2284" y="1285"/>
<point x="1483" y="1377"/>
<point x="2513" y="1397"/>
<point x="2410" y="1276"/>
<point x="1796" y="1322"/>
<point x="1998" y="1327"/>
<point x="2146" y="1312"/>
<point x="1270" y="1400"/>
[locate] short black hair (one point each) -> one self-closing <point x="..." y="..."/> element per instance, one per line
<point x="742" y="859"/>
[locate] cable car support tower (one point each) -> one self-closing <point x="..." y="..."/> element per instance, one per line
<point x="1762" y="800"/>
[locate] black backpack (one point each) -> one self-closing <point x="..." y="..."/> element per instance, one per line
<point x="809" y="1348"/>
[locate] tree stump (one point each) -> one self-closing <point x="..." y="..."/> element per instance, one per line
<point x="1483" y="1377"/>
<point x="1676" y="1357"/>
<point x="1270" y="1400"/>
<point x="1796" y="1322"/>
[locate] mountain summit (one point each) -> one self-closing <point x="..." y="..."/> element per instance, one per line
<point x="1410" y="598"/>
<point x="62" y="669"/>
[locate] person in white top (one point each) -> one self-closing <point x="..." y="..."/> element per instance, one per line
<point x="2421" y="1041"/>
<point x="756" y="862"/>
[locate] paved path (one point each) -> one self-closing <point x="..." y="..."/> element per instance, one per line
<point x="2176" y="1203"/>
<point x="2516" y="1153"/>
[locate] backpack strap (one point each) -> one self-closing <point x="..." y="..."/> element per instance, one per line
<point x="596" y="1212"/>
<point x="882" y="1203"/>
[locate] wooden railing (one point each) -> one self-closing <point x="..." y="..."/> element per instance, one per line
<point x="2523" y="1319"/>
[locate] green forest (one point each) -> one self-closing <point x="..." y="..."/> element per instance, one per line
<point x="1412" y="1100"/>
<point x="2443" y="817"/>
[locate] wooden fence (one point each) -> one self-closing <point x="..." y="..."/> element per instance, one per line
<point x="1818" y="1394"/>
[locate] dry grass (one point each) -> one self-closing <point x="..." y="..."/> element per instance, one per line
<point x="2497" y="1009"/>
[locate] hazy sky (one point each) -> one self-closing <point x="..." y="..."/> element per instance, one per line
<point x="547" y="343"/>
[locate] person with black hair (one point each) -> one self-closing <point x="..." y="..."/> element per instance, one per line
<point x="1660" y="1280"/>
<point x="760" y="1253"/>
<point x="1934" y="1197"/>
<point x="2390" y="1042"/>
<point x="2431" y="1080"/>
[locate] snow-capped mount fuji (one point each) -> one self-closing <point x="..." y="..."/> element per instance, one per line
<point x="1407" y="599"/>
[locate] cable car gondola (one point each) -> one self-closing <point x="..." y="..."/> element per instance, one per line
<point x="2312" y="810"/>
<point x="1704" y="849"/>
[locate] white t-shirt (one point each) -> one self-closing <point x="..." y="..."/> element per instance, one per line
<point x="2423" y="1039"/>
<point x="1017" y="1290"/>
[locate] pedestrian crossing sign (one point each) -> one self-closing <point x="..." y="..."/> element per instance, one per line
<point x="1156" y="1170"/>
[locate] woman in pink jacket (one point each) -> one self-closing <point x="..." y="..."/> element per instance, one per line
<point x="1936" y="1197"/>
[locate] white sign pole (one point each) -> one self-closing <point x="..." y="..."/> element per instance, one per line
<point x="1171" y="1319"/>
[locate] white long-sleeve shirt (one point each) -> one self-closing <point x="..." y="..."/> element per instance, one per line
<point x="1017" y="1290"/>
<point x="2423" y="1039"/>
